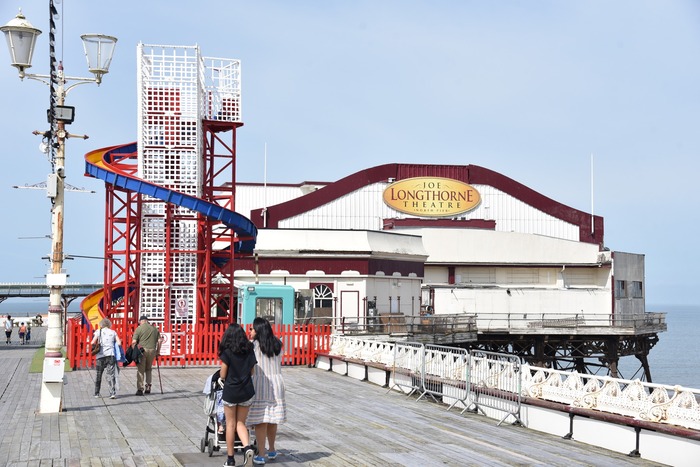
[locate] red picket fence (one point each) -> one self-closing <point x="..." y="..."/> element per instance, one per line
<point x="301" y="343"/>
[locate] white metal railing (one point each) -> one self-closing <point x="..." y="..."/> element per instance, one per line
<point x="674" y="405"/>
<point x="417" y="367"/>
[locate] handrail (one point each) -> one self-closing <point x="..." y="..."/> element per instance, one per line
<point x="531" y="323"/>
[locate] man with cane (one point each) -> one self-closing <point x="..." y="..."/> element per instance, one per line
<point x="147" y="337"/>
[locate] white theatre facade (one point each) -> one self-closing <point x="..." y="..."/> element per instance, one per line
<point x="439" y="239"/>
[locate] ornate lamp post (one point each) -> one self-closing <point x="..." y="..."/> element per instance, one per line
<point x="21" y="39"/>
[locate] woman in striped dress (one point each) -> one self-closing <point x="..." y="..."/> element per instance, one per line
<point x="269" y="408"/>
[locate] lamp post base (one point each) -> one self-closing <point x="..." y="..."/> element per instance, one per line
<point x="51" y="398"/>
<point x="52" y="386"/>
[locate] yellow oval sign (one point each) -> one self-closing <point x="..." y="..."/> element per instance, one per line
<point x="431" y="196"/>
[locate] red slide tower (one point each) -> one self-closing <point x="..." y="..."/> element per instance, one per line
<point x="169" y="247"/>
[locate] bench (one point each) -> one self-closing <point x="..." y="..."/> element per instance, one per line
<point x="373" y="372"/>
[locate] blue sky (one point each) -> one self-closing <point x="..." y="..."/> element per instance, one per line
<point x="528" y="89"/>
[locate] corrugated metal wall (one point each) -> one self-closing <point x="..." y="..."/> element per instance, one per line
<point x="364" y="209"/>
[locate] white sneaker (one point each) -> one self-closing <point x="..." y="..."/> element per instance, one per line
<point x="248" y="455"/>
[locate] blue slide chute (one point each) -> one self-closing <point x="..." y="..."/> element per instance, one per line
<point x="98" y="164"/>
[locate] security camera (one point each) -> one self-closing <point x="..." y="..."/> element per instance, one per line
<point x="61" y="171"/>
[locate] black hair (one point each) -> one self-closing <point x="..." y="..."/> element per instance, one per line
<point x="269" y="344"/>
<point x="235" y="340"/>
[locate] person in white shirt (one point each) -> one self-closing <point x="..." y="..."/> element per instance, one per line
<point x="106" y="361"/>
<point x="9" y="324"/>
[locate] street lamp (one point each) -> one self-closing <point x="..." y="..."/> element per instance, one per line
<point x="21" y="39"/>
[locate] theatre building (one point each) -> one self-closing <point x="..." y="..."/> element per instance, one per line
<point x="423" y="241"/>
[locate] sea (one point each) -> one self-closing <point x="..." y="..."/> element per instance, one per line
<point x="674" y="360"/>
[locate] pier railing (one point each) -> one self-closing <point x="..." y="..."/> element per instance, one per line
<point x="398" y="324"/>
<point x="661" y="403"/>
<point x="567" y="323"/>
<point x="461" y="327"/>
<point x="487" y="381"/>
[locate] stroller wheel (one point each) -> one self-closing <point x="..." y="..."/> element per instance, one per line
<point x="211" y="447"/>
<point x="202" y="444"/>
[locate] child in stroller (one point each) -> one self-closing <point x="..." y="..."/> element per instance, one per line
<point x="216" y="423"/>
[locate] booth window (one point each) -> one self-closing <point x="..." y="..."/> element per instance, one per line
<point x="636" y="289"/>
<point x="620" y="291"/>
<point x="269" y="308"/>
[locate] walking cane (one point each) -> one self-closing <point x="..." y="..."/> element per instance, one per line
<point x="159" y="380"/>
<point x="160" y="341"/>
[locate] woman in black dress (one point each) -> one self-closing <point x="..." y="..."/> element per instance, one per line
<point x="237" y="363"/>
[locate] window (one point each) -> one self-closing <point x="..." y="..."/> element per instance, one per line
<point x="522" y="276"/>
<point x="636" y="289"/>
<point x="270" y="309"/>
<point x="620" y="289"/>
<point x="475" y="275"/>
<point x="323" y="296"/>
<point x="580" y="277"/>
<point x="323" y="301"/>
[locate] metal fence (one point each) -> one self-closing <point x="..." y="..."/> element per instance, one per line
<point x="475" y="380"/>
<point x="495" y="382"/>
<point x="445" y="375"/>
<point x="407" y="367"/>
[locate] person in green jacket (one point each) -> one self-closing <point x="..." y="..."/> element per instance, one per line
<point x="146" y="337"/>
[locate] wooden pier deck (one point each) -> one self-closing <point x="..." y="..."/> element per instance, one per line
<point x="332" y="421"/>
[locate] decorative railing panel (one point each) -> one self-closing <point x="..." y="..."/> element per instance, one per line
<point x="502" y="377"/>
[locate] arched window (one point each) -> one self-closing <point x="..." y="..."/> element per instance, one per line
<point x="323" y="296"/>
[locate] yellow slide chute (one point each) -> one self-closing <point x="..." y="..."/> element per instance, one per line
<point x="90" y="306"/>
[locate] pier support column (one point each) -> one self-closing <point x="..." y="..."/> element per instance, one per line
<point x="611" y="357"/>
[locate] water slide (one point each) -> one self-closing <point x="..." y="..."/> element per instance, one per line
<point x="91" y="306"/>
<point x="107" y="164"/>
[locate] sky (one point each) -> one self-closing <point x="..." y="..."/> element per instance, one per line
<point x="593" y="103"/>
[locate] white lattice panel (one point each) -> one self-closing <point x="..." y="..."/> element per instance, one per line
<point x="178" y="88"/>
<point x="182" y="301"/>
<point x="183" y="235"/>
<point x="171" y="102"/>
<point x="153" y="233"/>
<point x="222" y="84"/>
<point x="152" y="300"/>
<point x="182" y="267"/>
<point x="152" y="268"/>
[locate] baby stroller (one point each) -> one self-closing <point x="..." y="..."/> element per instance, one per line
<point x="216" y="423"/>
